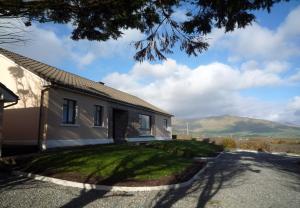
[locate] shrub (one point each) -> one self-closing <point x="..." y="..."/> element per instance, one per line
<point x="265" y="146"/>
<point x="255" y="145"/>
<point x="229" y="143"/>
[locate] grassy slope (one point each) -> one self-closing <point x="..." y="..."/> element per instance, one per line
<point x="121" y="162"/>
<point x="236" y="126"/>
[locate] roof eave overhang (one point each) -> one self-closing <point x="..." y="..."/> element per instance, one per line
<point x="103" y="96"/>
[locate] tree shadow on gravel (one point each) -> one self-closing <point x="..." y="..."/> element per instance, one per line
<point x="124" y="168"/>
<point x="216" y="176"/>
<point x="9" y="182"/>
<point x="226" y="172"/>
<point x="88" y="196"/>
<point x="229" y="170"/>
<point x="286" y="167"/>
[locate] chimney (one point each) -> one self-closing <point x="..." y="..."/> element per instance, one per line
<point x="101" y="82"/>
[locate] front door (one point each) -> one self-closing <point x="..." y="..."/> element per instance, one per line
<point x="120" y="123"/>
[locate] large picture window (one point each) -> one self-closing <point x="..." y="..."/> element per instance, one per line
<point x="98" y="114"/>
<point x="69" y="111"/>
<point x="145" y="124"/>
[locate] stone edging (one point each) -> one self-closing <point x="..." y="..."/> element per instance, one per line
<point x="88" y="186"/>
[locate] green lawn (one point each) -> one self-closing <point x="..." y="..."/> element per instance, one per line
<point x="122" y="162"/>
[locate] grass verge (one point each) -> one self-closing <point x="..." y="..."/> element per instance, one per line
<point x="112" y="164"/>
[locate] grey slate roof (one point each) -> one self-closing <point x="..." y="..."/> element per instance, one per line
<point x="70" y="80"/>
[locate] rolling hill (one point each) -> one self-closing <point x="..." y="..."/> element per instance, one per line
<point x="234" y="126"/>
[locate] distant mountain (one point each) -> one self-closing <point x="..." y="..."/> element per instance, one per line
<point x="234" y="126"/>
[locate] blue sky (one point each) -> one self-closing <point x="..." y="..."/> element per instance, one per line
<point x="253" y="72"/>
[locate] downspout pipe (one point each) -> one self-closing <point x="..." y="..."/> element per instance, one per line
<point x="41" y="124"/>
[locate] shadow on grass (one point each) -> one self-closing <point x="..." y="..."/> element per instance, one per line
<point x="140" y="161"/>
<point x="121" y="172"/>
<point x="210" y="183"/>
<point x="230" y="170"/>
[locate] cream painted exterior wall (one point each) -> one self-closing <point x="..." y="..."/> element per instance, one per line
<point x="21" y="120"/>
<point x="84" y="127"/>
<point x="21" y="125"/>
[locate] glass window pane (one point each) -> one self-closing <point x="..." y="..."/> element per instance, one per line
<point x="144" y="121"/>
<point x="98" y="115"/>
<point x="145" y="125"/>
<point x="95" y="118"/>
<point x="69" y="111"/>
<point x="65" y="113"/>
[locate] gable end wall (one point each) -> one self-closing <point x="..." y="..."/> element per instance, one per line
<point x="21" y="121"/>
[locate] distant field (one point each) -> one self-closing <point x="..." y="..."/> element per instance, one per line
<point x="233" y="126"/>
<point x="288" y="145"/>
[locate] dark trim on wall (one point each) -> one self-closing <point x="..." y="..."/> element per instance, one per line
<point x="40" y="123"/>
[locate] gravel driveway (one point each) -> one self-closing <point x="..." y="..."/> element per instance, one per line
<point x="240" y="179"/>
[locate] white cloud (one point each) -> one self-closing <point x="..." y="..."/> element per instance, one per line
<point x="290" y="27"/>
<point x="295" y="103"/>
<point x="277" y="66"/>
<point x="291" y="112"/>
<point x="180" y="15"/>
<point x="215" y="36"/>
<point x="41" y="44"/>
<point x="206" y="90"/>
<point x="262" y="43"/>
<point x="272" y="67"/>
<point x="121" y="47"/>
<point x="86" y="59"/>
<point x="295" y="77"/>
<point x="45" y="45"/>
<point x="233" y="59"/>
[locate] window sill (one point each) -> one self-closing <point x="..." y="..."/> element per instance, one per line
<point x="69" y="125"/>
<point x="141" y="136"/>
<point x="145" y="129"/>
<point x="100" y="127"/>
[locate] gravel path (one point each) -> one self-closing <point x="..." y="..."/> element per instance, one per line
<point x="240" y="179"/>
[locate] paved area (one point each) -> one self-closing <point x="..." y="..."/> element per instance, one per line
<point x="240" y="179"/>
